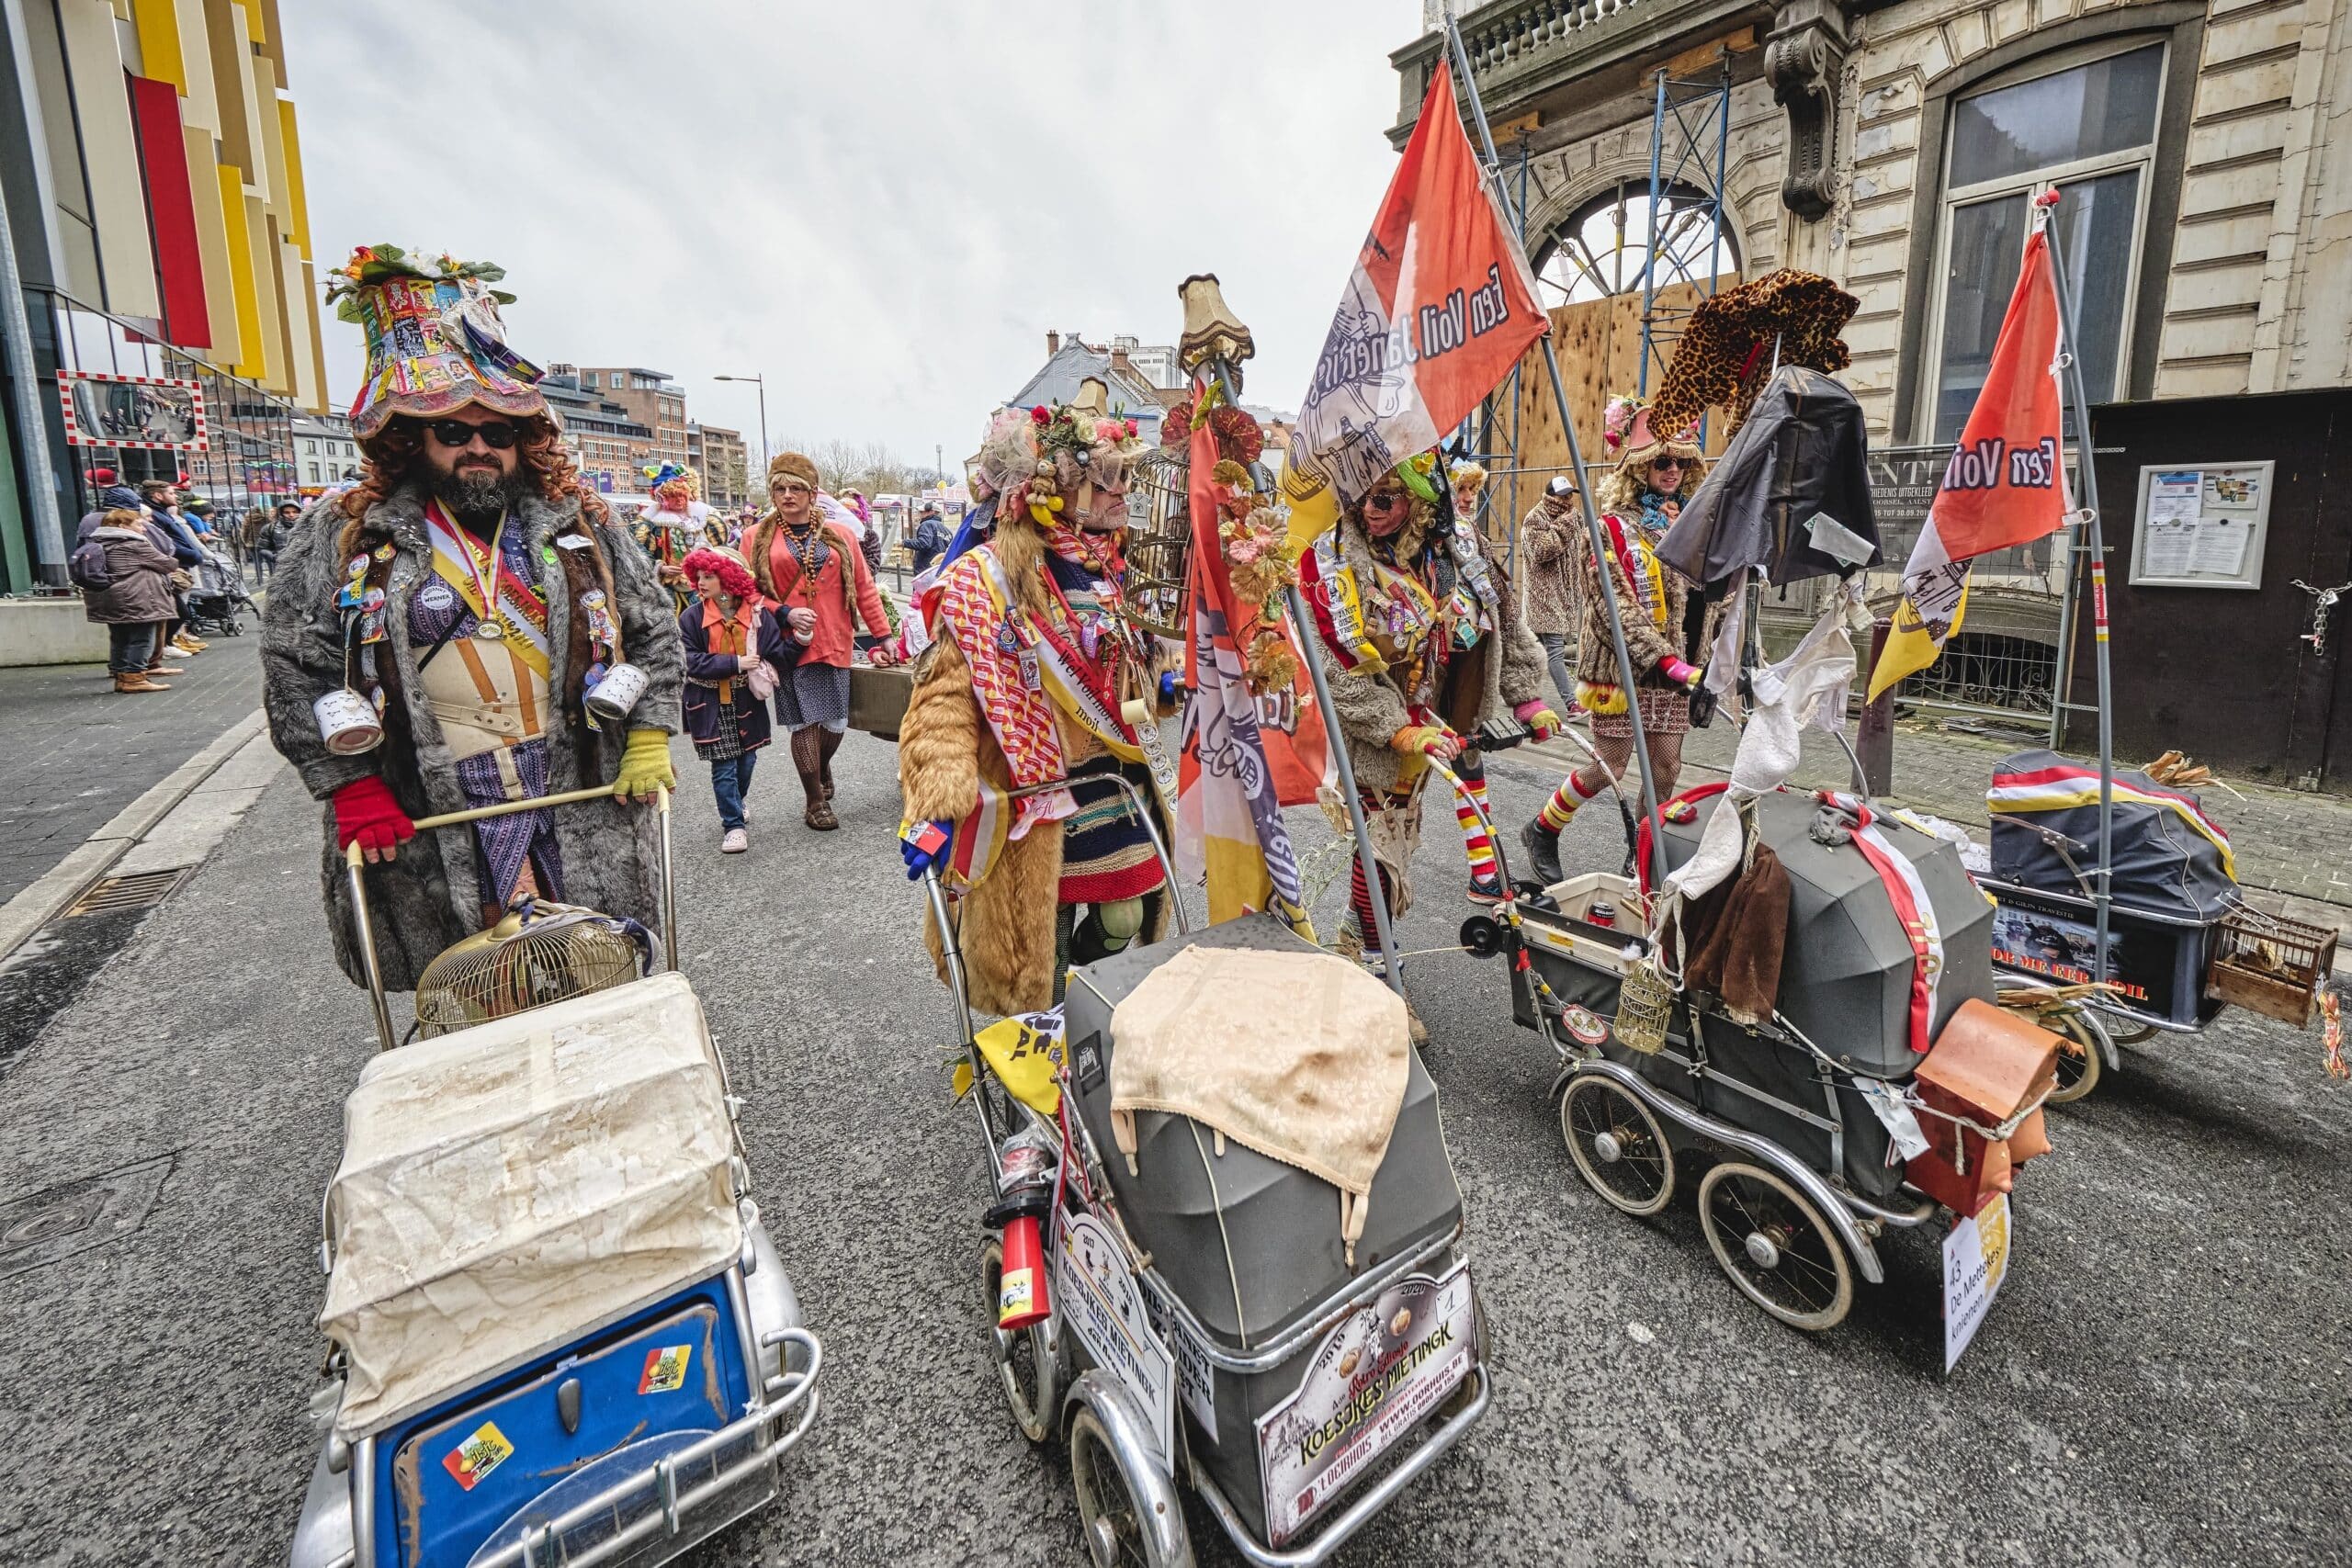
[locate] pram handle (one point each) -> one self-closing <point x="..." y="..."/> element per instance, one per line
<point x="951" y="951"/>
<point x="354" y="864"/>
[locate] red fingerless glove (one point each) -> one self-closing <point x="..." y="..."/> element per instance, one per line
<point x="365" y="811"/>
<point x="1681" y="672"/>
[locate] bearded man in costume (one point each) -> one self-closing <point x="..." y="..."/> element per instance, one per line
<point x="1666" y="634"/>
<point x="675" y="526"/>
<point x="1037" y="675"/>
<point x="1424" y="644"/>
<point x="472" y="593"/>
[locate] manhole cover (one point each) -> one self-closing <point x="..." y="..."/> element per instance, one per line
<point x="73" y="1217"/>
<point x="140" y="891"/>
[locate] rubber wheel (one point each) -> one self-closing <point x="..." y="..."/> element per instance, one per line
<point x="1776" y="1247"/>
<point x="1106" y="1503"/>
<point x="2080" y="1061"/>
<point x="1024" y="1359"/>
<point x="1618" y="1147"/>
<point x="2132" y="1035"/>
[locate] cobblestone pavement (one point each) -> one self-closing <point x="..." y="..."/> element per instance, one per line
<point x="73" y="753"/>
<point x="2160" y="1381"/>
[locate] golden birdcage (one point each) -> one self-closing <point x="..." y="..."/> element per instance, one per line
<point x="1159" y="542"/>
<point x="538" y="953"/>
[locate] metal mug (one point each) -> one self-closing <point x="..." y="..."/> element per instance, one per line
<point x="347" y="722"/>
<point x="618" y="692"/>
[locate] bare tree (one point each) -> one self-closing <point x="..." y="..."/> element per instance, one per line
<point x="870" y="467"/>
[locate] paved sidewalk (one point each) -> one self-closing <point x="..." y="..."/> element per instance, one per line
<point x="73" y="753"/>
<point x="2294" y="845"/>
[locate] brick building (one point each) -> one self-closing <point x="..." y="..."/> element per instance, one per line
<point x="610" y="446"/>
<point x="652" y="400"/>
<point x="722" y="460"/>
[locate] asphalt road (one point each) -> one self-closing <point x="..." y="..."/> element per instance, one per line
<point x="2163" y="1379"/>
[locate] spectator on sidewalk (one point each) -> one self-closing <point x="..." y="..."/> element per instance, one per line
<point x="163" y="510"/>
<point x="929" y="540"/>
<point x="136" y="600"/>
<point x="1545" y="537"/>
<point x="736" y="653"/>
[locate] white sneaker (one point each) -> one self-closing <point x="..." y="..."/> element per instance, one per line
<point x="735" y="842"/>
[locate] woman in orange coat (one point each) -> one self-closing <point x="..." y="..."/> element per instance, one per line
<point x="813" y="573"/>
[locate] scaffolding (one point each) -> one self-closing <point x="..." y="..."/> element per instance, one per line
<point x="1690" y="137"/>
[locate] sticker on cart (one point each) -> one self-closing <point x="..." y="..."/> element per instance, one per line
<point x="1976" y="1259"/>
<point x="1373" y="1379"/>
<point x="481" y="1453"/>
<point x="665" y="1369"/>
<point x="1096" y="1293"/>
<point x="1583" y="1024"/>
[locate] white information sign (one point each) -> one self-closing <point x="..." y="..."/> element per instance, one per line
<point x="1976" y="1259"/>
<point x="2202" y="527"/>
<point x="1373" y="1379"/>
<point x="1098" y="1296"/>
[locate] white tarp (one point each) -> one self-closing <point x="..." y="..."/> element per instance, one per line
<point x="507" y="1187"/>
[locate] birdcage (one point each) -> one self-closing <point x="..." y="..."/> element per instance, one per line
<point x="2271" y="964"/>
<point x="538" y="954"/>
<point x="1159" y="542"/>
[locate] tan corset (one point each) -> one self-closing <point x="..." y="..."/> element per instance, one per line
<point x="484" y="698"/>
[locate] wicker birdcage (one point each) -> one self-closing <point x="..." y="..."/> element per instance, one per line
<point x="538" y="954"/>
<point x="1159" y="542"/>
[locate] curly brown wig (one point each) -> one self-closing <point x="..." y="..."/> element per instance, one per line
<point x="392" y="453"/>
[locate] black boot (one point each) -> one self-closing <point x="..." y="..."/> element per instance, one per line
<point x="1543" y="845"/>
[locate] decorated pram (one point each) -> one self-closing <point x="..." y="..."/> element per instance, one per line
<point x="560" y="1333"/>
<point x="2181" y="943"/>
<point x="1179" y="1305"/>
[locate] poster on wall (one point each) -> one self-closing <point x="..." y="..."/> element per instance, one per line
<point x="2201" y="527"/>
<point x="149" y="412"/>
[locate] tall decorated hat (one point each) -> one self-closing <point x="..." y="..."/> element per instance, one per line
<point x="435" y="342"/>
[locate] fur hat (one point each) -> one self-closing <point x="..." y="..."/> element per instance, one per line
<point x="794" y="465"/>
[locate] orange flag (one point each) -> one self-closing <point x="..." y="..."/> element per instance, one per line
<point x="2006" y="482"/>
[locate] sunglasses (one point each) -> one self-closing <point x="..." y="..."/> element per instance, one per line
<point x="1382" y="500"/>
<point x="454" y="434"/>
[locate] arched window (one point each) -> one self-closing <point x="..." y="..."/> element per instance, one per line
<point x="1603" y="248"/>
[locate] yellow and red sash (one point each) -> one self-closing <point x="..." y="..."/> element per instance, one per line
<point x="491" y="588"/>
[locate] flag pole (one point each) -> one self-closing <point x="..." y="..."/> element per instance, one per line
<point x="2097" y="545"/>
<point x="1383" y="931"/>
<point x="1461" y="56"/>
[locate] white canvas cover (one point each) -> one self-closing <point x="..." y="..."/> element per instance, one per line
<point x="510" y="1187"/>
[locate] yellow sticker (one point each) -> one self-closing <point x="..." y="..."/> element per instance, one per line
<point x="1017" y="1293"/>
<point x="479" y="1454"/>
<point x="665" y="1369"/>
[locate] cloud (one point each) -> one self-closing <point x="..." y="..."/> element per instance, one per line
<point x="881" y="206"/>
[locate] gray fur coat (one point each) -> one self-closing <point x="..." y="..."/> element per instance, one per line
<point x="1371" y="708"/>
<point x="429" y="895"/>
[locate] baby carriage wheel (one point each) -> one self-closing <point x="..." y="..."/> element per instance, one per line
<point x="1617" y="1145"/>
<point x="1775" y="1245"/>
<point x="1117" y="1537"/>
<point x="1025" y="1358"/>
<point x="2079" y="1060"/>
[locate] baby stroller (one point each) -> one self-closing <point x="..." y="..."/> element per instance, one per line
<point x="217" y="596"/>
<point x="1186" y="1316"/>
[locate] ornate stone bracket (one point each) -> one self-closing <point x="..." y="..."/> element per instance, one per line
<point x="1804" y="56"/>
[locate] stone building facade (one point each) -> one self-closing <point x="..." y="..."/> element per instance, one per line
<point x="2204" y="146"/>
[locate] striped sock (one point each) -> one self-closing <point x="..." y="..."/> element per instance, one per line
<point x="1475" y="842"/>
<point x="1562" y="807"/>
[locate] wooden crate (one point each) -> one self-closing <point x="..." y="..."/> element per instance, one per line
<point x="2271" y="964"/>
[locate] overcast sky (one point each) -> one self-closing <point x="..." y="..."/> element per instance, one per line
<point x="881" y="206"/>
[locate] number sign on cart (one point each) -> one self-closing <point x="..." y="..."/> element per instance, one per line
<point x="1976" y="1259"/>
<point x="1371" y="1380"/>
<point x="1097" y="1290"/>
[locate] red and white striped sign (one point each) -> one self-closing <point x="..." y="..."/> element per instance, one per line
<point x="153" y="413"/>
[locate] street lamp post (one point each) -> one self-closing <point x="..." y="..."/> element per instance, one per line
<point x="760" y="381"/>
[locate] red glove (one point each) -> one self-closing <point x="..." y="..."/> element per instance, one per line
<point x="364" y="812"/>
